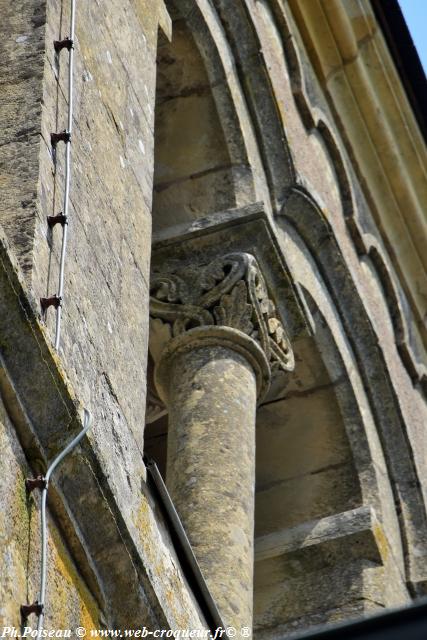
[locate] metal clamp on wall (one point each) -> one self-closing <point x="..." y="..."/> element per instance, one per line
<point x="42" y="483"/>
<point x="55" y="138"/>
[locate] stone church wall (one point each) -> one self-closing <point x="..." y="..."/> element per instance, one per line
<point x="71" y="602"/>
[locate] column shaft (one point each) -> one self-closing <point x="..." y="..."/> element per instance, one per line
<point x="211" y="468"/>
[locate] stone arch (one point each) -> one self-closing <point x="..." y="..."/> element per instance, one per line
<point x="328" y="539"/>
<point x="316" y="120"/>
<point x="325" y="518"/>
<point x="206" y="157"/>
<point x="302" y="214"/>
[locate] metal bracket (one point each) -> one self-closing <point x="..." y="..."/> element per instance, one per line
<point x="62" y="136"/>
<point x="66" y="43"/>
<point x="28" y="609"/>
<point x="35" y="483"/>
<point x="53" y="301"/>
<point x="60" y="218"/>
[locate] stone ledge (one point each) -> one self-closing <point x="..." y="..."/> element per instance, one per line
<point x="359" y="527"/>
<point x="324" y="570"/>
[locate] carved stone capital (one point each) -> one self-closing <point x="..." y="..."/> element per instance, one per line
<point x="229" y="291"/>
<point x="226" y="270"/>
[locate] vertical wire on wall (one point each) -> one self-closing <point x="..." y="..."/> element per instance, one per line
<point x="69" y="131"/>
<point x="42" y="483"/>
<point x="65" y="136"/>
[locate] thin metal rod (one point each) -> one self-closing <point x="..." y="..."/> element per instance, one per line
<point x="42" y="594"/>
<point x="67" y="175"/>
<point x="205" y="599"/>
<point x="87" y="416"/>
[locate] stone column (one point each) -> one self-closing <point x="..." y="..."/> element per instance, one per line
<point x="224" y="337"/>
<point x="208" y="380"/>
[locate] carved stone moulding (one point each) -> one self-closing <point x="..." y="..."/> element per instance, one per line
<point x="226" y="271"/>
<point x="213" y="336"/>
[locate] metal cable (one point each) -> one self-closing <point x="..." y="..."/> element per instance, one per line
<point x="67" y="175"/>
<point x="42" y="595"/>
<point x="87" y="416"/>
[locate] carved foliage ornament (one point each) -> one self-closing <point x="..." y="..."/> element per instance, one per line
<point x="230" y="292"/>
